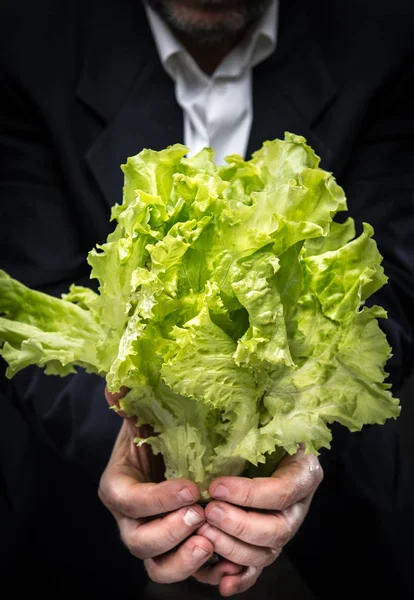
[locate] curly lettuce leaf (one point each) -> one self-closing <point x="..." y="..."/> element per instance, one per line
<point x="232" y="304"/>
<point x="54" y="334"/>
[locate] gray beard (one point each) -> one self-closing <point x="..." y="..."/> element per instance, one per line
<point x="237" y="15"/>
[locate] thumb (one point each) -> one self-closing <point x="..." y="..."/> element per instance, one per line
<point x="151" y="466"/>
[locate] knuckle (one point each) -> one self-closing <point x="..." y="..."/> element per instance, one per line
<point x="125" y="537"/>
<point x="163" y="574"/>
<point x="285" y="531"/>
<point x="258" y="558"/>
<point x="160" y="505"/>
<point x="287" y="493"/>
<point x="249" y="496"/>
<point x="261" y="559"/>
<point x="104" y="491"/>
<point x="233" y="553"/>
<point x="318" y="474"/>
<point x="240" y="528"/>
<point x="284" y="536"/>
<point x="239" y="554"/>
<point x="136" y="551"/>
<point x="154" y="573"/>
<point x="117" y="500"/>
<point x="176" y="575"/>
<point x="101" y="494"/>
<point x="262" y="538"/>
<point x="134" y="544"/>
<point x="265" y="535"/>
<point x="171" y="537"/>
<point x="314" y="470"/>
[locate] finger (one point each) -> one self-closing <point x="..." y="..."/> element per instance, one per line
<point x="147" y="539"/>
<point x="151" y="466"/>
<point x="236" y="584"/>
<point x="295" y="514"/>
<point x="150" y="469"/>
<point x="138" y="463"/>
<point x="296" y="477"/>
<point x="140" y="458"/>
<point x="236" y="551"/>
<point x="271" y="530"/>
<point x="213" y="575"/>
<point x="122" y="493"/>
<point x="113" y="399"/>
<point x="180" y="564"/>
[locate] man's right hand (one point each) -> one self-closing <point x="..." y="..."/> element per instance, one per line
<point x="156" y="520"/>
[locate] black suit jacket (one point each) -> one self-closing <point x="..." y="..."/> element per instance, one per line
<point x="83" y="89"/>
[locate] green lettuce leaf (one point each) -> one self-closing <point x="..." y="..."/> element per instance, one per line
<point x="230" y="302"/>
<point x="38" y="329"/>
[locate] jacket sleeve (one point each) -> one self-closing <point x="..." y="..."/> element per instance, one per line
<point x="378" y="182"/>
<point x="42" y="246"/>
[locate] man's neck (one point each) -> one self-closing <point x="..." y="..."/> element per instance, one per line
<point x="209" y="56"/>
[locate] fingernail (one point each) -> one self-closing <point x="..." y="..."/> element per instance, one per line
<point x="215" y="514"/>
<point x="210" y="533"/>
<point x="185" y="495"/>
<point x="192" y="517"/>
<point x="221" y="491"/>
<point x="199" y="552"/>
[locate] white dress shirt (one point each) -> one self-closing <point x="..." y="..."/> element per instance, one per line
<point x="218" y="110"/>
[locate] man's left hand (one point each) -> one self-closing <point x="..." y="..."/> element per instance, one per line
<point x="249" y="521"/>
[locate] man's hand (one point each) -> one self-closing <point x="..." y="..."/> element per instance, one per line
<point x="157" y="521"/>
<point x="247" y="523"/>
<point x="251" y="520"/>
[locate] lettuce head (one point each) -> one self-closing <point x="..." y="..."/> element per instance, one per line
<point x="230" y="303"/>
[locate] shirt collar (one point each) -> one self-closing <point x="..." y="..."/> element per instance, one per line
<point x="253" y="49"/>
<point x="167" y="44"/>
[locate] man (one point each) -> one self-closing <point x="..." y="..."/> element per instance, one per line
<point x="87" y="85"/>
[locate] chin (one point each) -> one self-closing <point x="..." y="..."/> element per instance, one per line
<point x="209" y="20"/>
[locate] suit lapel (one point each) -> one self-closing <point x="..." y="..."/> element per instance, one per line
<point x="126" y="87"/>
<point x="292" y="88"/>
<point x="148" y="118"/>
